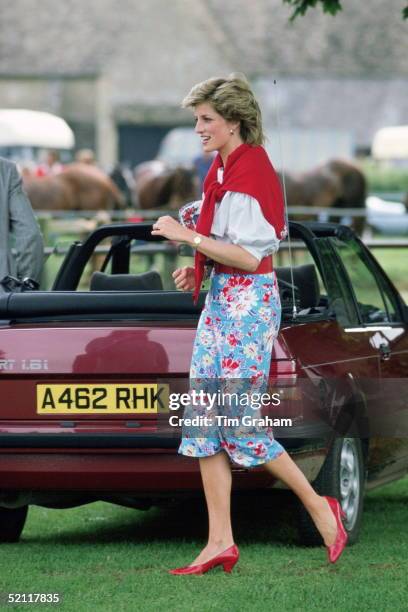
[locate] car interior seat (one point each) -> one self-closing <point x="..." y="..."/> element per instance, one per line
<point x="148" y="281"/>
<point x="306" y="284"/>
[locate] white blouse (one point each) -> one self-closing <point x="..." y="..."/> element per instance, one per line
<point x="238" y="219"/>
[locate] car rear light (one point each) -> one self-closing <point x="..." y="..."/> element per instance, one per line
<point x="284" y="382"/>
<point x="284" y="372"/>
<point x="284" y="366"/>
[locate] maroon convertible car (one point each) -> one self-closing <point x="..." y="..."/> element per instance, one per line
<point x="86" y="377"/>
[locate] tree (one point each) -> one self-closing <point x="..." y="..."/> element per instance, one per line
<point x="329" y="6"/>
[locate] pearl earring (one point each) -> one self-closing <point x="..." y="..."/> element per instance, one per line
<point x="231" y="131"/>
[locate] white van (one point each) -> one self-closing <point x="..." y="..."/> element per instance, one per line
<point x="25" y="134"/>
<point x="390" y="144"/>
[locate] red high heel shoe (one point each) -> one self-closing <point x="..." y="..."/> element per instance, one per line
<point x="227" y="558"/>
<point x="334" y="551"/>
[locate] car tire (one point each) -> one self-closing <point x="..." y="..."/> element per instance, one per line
<point x="12" y="521"/>
<point x="342" y="476"/>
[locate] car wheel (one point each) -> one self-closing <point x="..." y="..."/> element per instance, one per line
<point x="12" y="522"/>
<point x="342" y="476"/>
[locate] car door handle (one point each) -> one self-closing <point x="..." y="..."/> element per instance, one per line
<point x="385" y="352"/>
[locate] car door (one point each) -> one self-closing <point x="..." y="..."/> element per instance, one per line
<point x="381" y="320"/>
<point x="334" y="361"/>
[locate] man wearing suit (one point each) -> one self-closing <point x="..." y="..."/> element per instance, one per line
<point x="18" y="228"/>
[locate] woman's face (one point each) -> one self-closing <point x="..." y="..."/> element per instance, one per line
<point x="214" y="130"/>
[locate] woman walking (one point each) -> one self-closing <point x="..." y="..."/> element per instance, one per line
<point x="241" y="221"/>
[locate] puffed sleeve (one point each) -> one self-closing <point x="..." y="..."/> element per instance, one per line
<point x="189" y="213"/>
<point x="238" y="219"/>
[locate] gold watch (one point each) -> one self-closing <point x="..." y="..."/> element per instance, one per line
<point x="197" y="240"/>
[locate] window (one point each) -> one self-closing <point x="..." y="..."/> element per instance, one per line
<point x="309" y="290"/>
<point x="340" y="299"/>
<point x="375" y="300"/>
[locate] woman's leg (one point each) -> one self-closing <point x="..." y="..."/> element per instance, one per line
<point x="201" y="442"/>
<point x="286" y="470"/>
<point x="216" y="476"/>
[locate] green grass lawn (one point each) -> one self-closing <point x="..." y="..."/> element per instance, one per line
<point x="395" y="264"/>
<point x="105" y="557"/>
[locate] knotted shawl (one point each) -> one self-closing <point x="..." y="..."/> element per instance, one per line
<point x="248" y="170"/>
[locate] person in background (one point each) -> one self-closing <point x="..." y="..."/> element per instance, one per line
<point x="51" y="166"/>
<point x="123" y="179"/>
<point x="85" y="156"/>
<point x="18" y="228"/>
<point x="202" y="164"/>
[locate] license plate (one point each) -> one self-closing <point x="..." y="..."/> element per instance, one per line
<point x="102" y="399"/>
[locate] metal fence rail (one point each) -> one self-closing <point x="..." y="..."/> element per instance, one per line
<point x="120" y="215"/>
<point x="154" y="248"/>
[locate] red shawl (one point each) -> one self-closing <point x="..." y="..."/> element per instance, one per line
<point x="248" y="170"/>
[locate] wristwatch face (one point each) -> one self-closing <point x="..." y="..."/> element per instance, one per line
<point x="197" y="240"/>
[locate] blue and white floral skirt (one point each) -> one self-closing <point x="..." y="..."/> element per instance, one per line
<point x="230" y="363"/>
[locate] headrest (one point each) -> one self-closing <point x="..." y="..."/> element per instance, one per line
<point x="148" y="281"/>
<point x="305" y="280"/>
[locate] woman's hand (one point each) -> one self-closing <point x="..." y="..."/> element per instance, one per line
<point x="228" y="254"/>
<point x="170" y="228"/>
<point x="184" y="278"/>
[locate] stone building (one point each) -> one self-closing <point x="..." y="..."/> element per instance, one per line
<point x="116" y="70"/>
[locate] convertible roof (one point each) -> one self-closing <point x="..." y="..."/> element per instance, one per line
<point x="99" y="305"/>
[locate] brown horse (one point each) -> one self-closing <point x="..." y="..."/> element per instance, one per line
<point x="158" y="185"/>
<point x="335" y="184"/>
<point x="77" y="187"/>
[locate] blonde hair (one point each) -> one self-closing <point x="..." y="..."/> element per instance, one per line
<point x="232" y="98"/>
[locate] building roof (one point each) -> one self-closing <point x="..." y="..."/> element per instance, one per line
<point x="152" y="51"/>
<point x="365" y="39"/>
<point x="357" y="106"/>
<point x="149" y="49"/>
<point x="168" y="44"/>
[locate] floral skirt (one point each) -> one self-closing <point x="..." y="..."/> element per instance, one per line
<point x="229" y="369"/>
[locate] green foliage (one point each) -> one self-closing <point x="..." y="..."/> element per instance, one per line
<point x="329" y="6"/>
<point x="301" y="6"/>
<point x="384" y="178"/>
